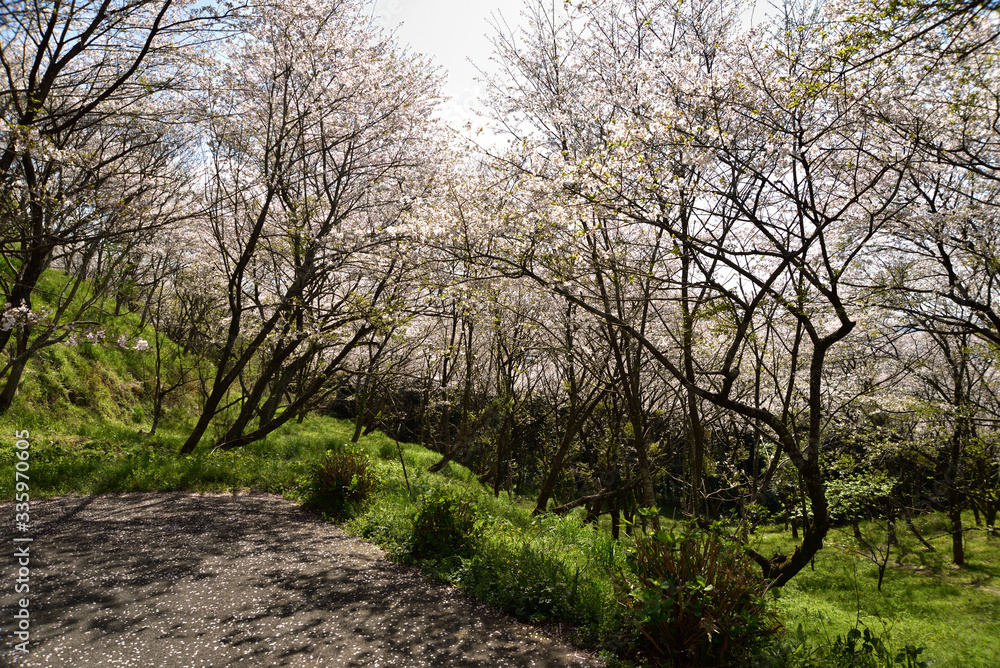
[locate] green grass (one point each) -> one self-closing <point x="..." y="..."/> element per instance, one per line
<point x="538" y="569"/>
<point x="954" y="613"/>
<point x="88" y="408"/>
<point x="114" y="458"/>
<point x="551" y="569"/>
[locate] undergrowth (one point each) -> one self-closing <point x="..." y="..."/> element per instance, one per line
<point x="554" y="571"/>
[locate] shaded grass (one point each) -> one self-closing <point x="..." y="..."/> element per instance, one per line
<point x="547" y="569"/>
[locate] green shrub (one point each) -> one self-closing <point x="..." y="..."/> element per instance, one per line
<point x="442" y="526"/>
<point x="696" y="597"/>
<point x="864" y="649"/>
<point x="388" y="451"/>
<point x="531" y="582"/>
<point x="858" y="648"/>
<point x="342" y="480"/>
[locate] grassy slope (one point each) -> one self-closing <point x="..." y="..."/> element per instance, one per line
<point x="90" y="390"/>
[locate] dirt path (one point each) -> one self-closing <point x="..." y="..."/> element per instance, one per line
<point x="175" y="580"/>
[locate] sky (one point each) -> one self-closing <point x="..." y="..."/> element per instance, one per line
<point x="451" y="32"/>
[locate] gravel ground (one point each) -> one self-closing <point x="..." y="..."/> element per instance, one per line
<point x="189" y="580"/>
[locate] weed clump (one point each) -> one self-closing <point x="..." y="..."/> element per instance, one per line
<point x="860" y="647"/>
<point x="340" y="482"/>
<point x="388" y="451"/>
<point x="442" y="526"/>
<point x="521" y="573"/>
<point x="696" y="597"/>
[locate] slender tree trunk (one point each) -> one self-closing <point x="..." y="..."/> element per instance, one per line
<point x="615" y="518"/>
<point x="696" y="450"/>
<point x="16" y="370"/>
<point x="501" y="458"/>
<point x="648" y="491"/>
<point x="954" y="493"/>
<point x="360" y="411"/>
<point x="574" y="423"/>
<point x="916" y="533"/>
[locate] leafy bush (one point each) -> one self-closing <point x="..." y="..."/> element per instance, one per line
<point x="343" y="479"/>
<point x="442" y="526"/>
<point x="867" y="650"/>
<point x="859" y="648"/>
<point x="522" y="577"/>
<point x="860" y="495"/>
<point x="387" y="450"/>
<point x="696" y="597"/>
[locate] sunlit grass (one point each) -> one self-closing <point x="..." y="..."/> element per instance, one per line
<point x="952" y="612"/>
<point x="112" y="457"/>
<point x="540" y="569"/>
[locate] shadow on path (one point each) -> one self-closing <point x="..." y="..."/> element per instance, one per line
<point x="171" y="580"/>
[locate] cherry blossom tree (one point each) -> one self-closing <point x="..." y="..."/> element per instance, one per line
<point x="320" y="138"/>
<point x="92" y="153"/>
<point x="937" y="264"/>
<point x="740" y="173"/>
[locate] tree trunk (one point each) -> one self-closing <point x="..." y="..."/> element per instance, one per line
<point x="14" y="374"/>
<point x="913" y="529"/>
<point x="574" y="424"/>
<point x="360" y="410"/>
<point x="954" y="493"/>
<point x="648" y="491"/>
<point x="957" y="542"/>
<point x="501" y="458"/>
